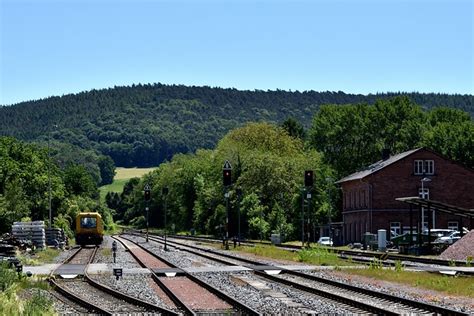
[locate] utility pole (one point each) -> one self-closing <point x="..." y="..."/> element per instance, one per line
<point x="49" y="184"/>
<point x="239" y="194"/>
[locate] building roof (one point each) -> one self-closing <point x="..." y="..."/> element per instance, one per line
<point x="377" y="166"/>
<point x="439" y="206"/>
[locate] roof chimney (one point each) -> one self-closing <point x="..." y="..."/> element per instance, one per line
<point x="385" y="154"/>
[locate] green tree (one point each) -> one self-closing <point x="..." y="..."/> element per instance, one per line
<point x="294" y="128"/>
<point x="79" y="182"/>
<point x="107" y="170"/>
<point x="255" y="212"/>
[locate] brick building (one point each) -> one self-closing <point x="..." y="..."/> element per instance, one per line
<point x="369" y="195"/>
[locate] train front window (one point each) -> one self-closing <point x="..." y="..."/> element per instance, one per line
<point x="88" y="222"/>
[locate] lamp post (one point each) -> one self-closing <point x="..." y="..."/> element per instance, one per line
<point x="49" y="180"/>
<point x="425" y="179"/>
<point x="329" y="179"/>
<point x="49" y="183"/>
<point x="423" y="196"/>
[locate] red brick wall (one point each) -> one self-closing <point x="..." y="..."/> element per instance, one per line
<point x="451" y="183"/>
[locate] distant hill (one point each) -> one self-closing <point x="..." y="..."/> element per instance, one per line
<point x="143" y="125"/>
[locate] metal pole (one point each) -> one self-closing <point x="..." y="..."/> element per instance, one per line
<point x="308" y="231"/>
<point x="147" y="208"/>
<point x="166" y="226"/>
<point x="261" y="224"/>
<point x="429" y="227"/>
<point x="422" y="208"/>
<point x="239" y="193"/>
<point x="49" y="184"/>
<point x="227" y="220"/>
<point x="302" y="217"/>
<point x="411" y="225"/>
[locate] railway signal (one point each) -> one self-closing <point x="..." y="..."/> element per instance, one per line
<point x="306" y="194"/>
<point x="147" y="191"/>
<point x="227" y="177"/>
<point x="308" y="178"/>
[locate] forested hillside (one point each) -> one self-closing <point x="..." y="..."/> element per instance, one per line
<point x="143" y="125"/>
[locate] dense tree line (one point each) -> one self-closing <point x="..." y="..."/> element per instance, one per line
<point x="353" y="136"/>
<point x="25" y="173"/>
<point x="143" y="125"/>
<point x="268" y="168"/>
<point x="269" y="161"/>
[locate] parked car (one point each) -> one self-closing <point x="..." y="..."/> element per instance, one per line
<point x="437" y="233"/>
<point x="325" y="241"/>
<point x="450" y="239"/>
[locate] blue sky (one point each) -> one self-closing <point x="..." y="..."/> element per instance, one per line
<point x="57" y="47"/>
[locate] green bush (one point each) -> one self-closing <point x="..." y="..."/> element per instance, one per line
<point x="7" y="277"/>
<point x="11" y="286"/>
<point x="38" y="304"/>
<point x="138" y="222"/>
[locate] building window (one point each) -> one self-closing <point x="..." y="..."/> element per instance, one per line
<point x="418" y="167"/>
<point x="422" y="167"/>
<point x="453" y="225"/>
<point x="429" y="167"/>
<point x="395" y="228"/>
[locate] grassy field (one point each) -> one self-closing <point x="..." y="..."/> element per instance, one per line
<point x="122" y="175"/>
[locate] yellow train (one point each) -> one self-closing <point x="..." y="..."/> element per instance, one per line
<point x="89" y="229"/>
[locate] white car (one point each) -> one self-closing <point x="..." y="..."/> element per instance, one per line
<point x="325" y="241"/>
<point x="450" y="239"/>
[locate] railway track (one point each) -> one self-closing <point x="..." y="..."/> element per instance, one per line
<point x="95" y="297"/>
<point x="188" y="293"/>
<point x="346" y="253"/>
<point x="368" y="300"/>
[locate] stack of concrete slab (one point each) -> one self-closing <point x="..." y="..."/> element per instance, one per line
<point x="463" y="249"/>
<point x="55" y="237"/>
<point x="33" y="231"/>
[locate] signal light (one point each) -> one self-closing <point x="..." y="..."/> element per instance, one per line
<point x="227" y="176"/>
<point x="147" y="195"/>
<point x="308" y="178"/>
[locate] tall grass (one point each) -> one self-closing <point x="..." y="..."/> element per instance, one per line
<point x="317" y="256"/>
<point x="462" y="286"/>
<point x="10" y="288"/>
<point x="43" y="256"/>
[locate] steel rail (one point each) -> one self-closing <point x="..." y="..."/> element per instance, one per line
<point x="378" y="255"/>
<point x="176" y="300"/>
<point x="75" y="298"/>
<point x="233" y="302"/>
<point x="407" y="302"/>
<point x="332" y="296"/>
